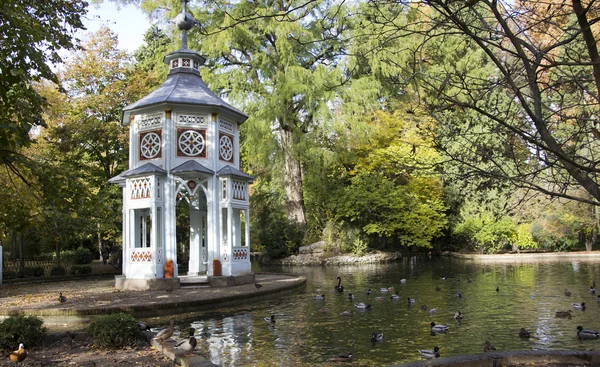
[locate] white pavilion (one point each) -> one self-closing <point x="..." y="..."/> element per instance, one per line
<point x="184" y="150"/>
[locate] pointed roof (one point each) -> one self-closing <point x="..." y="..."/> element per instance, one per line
<point x="184" y="85"/>
<point x="231" y="171"/>
<point x="192" y="167"/>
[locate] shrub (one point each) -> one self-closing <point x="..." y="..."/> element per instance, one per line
<point x="80" y="256"/>
<point x="34" y="271"/>
<point x="116" y="330"/>
<point x="280" y="238"/>
<point x="9" y="274"/>
<point x="21" y="329"/>
<point x="58" y="271"/>
<point x="81" y="269"/>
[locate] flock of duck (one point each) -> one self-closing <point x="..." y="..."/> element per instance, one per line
<point x="582" y="333"/>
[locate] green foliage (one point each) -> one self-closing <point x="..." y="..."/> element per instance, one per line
<point x="34" y="271"/>
<point x="9" y="274"/>
<point x="81" y="269"/>
<point x="21" y="329"/>
<point x="33" y="32"/>
<point x="115" y="331"/>
<point x="556" y="232"/>
<point x="359" y="247"/>
<point x="79" y="256"/>
<point x="58" y="271"/>
<point x="525" y="238"/>
<point x="280" y="237"/>
<point x="484" y="233"/>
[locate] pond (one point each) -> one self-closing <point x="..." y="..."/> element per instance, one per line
<point x="309" y="332"/>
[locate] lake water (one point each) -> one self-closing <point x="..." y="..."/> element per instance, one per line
<point x="309" y="332"/>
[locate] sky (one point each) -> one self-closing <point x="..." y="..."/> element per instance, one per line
<point x="128" y="22"/>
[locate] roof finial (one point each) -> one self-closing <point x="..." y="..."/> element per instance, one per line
<point x="184" y="22"/>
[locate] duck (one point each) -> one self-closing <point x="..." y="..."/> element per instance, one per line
<point x="579" y="306"/>
<point x="598" y="298"/>
<point x="563" y="314"/>
<point x="488" y="347"/>
<point x="319" y="298"/>
<point x="18" y="355"/>
<point x="523" y="333"/>
<point x="270" y="320"/>
<point x="339" y="287"/>
<point x="430" y="353"/>
<point x="403" y="280"/>
<point x="188" y="345"/>
<point x="369" y="292"/>
<point x="424" y="307"/>
<point x="376" y="337"/>
<point x="432" y="311"/>
<point x="567" y="292"/>
<point x="395" y="296"/>
<point x="342" y="358"/>
<point x="497" y="289"/>
<point x="346" y="313"/>
<point x="61" y="298"/>
<point x="438" y="328"/>
<point x="350" y="296"/>
<point x="443" y="278"/>
<point x="586" y="334"/>
<point x="410" y="301"/>
<point x="362" y="305"/>
<point x="438" y="289"/>
<point x="165" y="334"/>
<point x="379" y="298"/>
<point x="592" y="290"/>
<point x="459" y="294"/>
<point x="383" y="290"/>
<point x="458" y="316"/>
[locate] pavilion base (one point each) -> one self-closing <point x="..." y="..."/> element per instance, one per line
<point x="146" y="284"/>
<point x="230" y="281"/>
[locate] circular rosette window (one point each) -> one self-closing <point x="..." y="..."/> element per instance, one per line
<point x="191" y="143"/>
<point x="226" y="148"/>
<point x="150" y="145"/>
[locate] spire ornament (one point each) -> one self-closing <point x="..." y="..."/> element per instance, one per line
<point x="184" y="22"/>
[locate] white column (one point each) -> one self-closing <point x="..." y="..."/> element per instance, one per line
<point x="213" y="237"/>
<point x="247" y="229"/>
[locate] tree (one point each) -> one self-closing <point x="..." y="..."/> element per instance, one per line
<point x="277" y="62"/>
<point x="527" y="72"/>
<point x="31" y="34"/>
<point x="394" y="192"/>
<point x="85" y="142"/>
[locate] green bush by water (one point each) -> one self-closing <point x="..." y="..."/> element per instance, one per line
<point x="21" y="329"/>
<point x="115" y="331"/>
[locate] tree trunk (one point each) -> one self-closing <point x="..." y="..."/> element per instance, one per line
<point x="13" y="246"/>
<point x="292" y="180"/>
<point x="21" y="254"/>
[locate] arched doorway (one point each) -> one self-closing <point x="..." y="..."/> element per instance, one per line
<point x="191" y="229"/>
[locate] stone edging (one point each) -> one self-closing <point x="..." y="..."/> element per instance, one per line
<point x="514" y="358"/>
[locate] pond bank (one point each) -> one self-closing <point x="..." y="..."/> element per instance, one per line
<point x="316" y="256"/>
<point x="89" y="298"/>
<point x="528" y="257"/>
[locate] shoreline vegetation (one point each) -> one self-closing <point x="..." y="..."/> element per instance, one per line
<point x="318" y="254"/>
